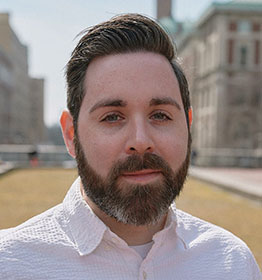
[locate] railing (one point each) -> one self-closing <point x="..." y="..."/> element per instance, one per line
<point x="228" y="157"/>
<point x="45" y="155"/>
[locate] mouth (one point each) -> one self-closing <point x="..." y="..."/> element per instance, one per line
<point x="143" y="176"/>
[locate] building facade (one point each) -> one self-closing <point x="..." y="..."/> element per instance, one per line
<point x="6" y="89"/>
<point x="222" y="57"/>
<point x="21" y="96"/>
<point x="164" y="8"/>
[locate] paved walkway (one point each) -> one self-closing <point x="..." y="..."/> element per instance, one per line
<point x="246" y="181"/>
<point x="6" y="166"/>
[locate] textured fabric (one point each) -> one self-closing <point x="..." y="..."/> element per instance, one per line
<point x="143" y="250"/>
<point x="70" y="242"/>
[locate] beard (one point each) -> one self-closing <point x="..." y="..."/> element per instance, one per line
<point x="133" y="204"/>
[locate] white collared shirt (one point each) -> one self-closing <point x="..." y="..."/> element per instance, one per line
<point x="70" y="242"/>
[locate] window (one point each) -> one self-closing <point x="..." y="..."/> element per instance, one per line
<point x="256" y="27"/>
<point x="243" y="55"/>
<point x="230" y="51"/>
<point x="244" y="26"/>
<point x="232" y="26"/>
<point x="257" y="52"/>
<point x="255" y="98"/>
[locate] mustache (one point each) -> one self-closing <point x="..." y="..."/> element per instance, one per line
<point x="137" y="163"/>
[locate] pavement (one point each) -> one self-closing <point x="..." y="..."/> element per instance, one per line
<point x="6" y="166"/>
<point x="244" y="181"/>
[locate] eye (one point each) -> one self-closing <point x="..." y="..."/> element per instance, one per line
<point x="111" y="118"/>
<point x="160" y="116"/>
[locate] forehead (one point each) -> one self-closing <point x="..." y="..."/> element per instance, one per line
<point x="130" y="76"/>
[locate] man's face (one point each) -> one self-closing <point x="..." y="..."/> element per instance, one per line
<point x="132" y="142"/>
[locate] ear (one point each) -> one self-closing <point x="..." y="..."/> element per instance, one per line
<point x="66" y="121"/>
<point x="190" y="116"/>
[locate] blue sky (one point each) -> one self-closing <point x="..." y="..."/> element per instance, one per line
<point x="49" y="27"/>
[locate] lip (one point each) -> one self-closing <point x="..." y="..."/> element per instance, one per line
<point x="142" y="176"/>
<point x="141" y="172"/>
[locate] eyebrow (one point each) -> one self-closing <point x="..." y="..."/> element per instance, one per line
<point x="164" y="101"/>
<point x="108" y="103"/>
<point x="121" y="103"/>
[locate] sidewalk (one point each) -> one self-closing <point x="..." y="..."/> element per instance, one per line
<point x="244" y="181"/>
<point x="6" y="166"/>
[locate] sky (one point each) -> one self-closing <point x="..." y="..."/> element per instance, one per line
<point x="49" y="29"/>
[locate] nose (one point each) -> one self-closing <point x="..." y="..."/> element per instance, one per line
<point x="139" y="139"/>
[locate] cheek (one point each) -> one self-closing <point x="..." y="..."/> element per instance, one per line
<point x="100" y="151"/>
<point x="174" y="148"/>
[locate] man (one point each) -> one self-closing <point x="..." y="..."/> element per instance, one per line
<point x="128" y="126"/>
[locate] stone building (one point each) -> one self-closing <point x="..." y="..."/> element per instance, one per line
<point x="36" y="119"/>
<point x="222" y="57"/>
<point x="21" y="97"/>
<point x="164" y="9"/>
<point x="6" y="88"/>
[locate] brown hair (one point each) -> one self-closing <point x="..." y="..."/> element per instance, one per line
<point x="121" y="34"/>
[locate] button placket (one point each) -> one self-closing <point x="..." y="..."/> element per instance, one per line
<point x="146" y="270"/>
<point x="107" y="247"/>
<point x="115" y="240"/>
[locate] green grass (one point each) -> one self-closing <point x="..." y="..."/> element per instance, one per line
<point x="27" y="192"/>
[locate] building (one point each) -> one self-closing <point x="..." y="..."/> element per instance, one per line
<point x="176" y="29"/>
<point x="36" y="118"/>
<point x="21" y="96"/>
<point x="164" y="9"/>
<point x="6" y="89"/>
<point x="222" y="57"/>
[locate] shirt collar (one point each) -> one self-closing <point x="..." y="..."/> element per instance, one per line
<point x="87" y="230"/>
<point x="176" y="224"/>
<point x="171" y="227"/>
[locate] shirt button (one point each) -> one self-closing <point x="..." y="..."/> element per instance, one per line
<point x="115" y="240"/>
<point x="107" y="247"/>
<point x="144" y="275"/>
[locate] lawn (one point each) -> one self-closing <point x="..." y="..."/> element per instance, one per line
<point x="27" y="192"/>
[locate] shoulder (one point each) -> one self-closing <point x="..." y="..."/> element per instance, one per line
<point x="38" y="227"/>
<point x="197" y="231"/>
<point x="35" y="224"/>
<point x="216" y="246"/>
<point x="20" y="245"/>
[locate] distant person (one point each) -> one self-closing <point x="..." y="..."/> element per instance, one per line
<point x="128" y="126"/>
<point x="33" y="158"/>
<point x="193" y="157"/>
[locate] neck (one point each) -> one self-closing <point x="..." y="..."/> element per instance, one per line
<point x="131" y="234"/>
